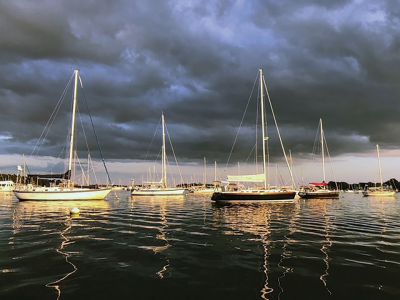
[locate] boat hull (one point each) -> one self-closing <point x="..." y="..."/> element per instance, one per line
<point x="160" y="192"/>
<point x="254" y="196"/>
<point x="379" y="194"/>
<point x="6" y="186"/>
<point x="79" y="194"/>
<point x="206" y="192"/>
<point x="319" y="195"/>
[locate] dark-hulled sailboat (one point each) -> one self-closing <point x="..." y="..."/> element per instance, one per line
<point x="264" y="193"/>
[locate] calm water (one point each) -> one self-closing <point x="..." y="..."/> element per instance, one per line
<point x="193" y="249"/>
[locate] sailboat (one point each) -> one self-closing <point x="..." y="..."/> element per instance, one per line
<point x="257" y="194"/>
<point x="381" y="191"/>
<point x="205" y="190"/>
<point x="6" y="186"/>
<point x="319" y="189"/>
<point x="67" y="190"/>
<point x="160" y="188"/>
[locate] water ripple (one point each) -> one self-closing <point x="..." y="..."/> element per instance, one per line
<point x="193" y="248"/>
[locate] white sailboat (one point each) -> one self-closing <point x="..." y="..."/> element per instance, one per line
<point x="257" y="194"/>
<point x="6" y="186"/>
<point x="381" y="191"/>
<point x="67" y="190"/>
<point x="160" y="188"/>
<point x="204" y="190"/>
<point x="319" y="189"/>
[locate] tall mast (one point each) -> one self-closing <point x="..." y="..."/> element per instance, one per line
<point x="215" y="170"/>
<point x="164" y="156"/>
<point x="380" y="168"/>
<point x="263" y="127"/>
<point x="72" y="141"/>
<point x="323" y="150"/>
<point x="88" y="170"/>
<point x="205" y="172"/>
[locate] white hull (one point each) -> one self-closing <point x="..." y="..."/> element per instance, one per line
<point x="160" y="192"/>
<point x="62" y="194"/>
<point x="205" y="191"/>
<point x="6" y="186"/>
<point x="379" y="194"/>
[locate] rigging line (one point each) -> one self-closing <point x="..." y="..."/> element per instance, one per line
<point x="59" y="156"/>
<point x="173" y="152"/>
<point x="83" y="176"/>
<point x="52" y="116"/>
<point x="267" y="141"/>
<point x="158" y="156"/>
<point x="251" y="152"/>
<point x="152" y="139"/>
<point x="83" y="130"/>
<point x="279" y="134"/>
<point x="317" y="143"/>
<point x="154" y="162"/>
<point x="46" y="130"/>
<point x="330" y="163"/>
<point x="256" y="148"/>
<point x="95" y="134"/>
<point x="93" y="171"/>
<point x="296" y="178"/>
<point x="87" y="144"/>
<point x="241" y="122"/>
<point x="167" y="167"/>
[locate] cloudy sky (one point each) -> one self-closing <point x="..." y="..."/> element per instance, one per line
<point x="196" y="61"/>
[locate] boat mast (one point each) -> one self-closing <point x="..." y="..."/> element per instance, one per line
<point x="215" y="170"/>
<point x="205" y="172"/>
<point x="322" y="150"/>
<point x="164" y="156"/>
<point x="380" y="167"/>
<point x="88" y="170"/>
<point x="72" y="140"/>
<point x="263" y="127"/>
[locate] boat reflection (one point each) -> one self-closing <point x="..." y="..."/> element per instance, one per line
<point x="162" y="236"/>
<point x="28" y="211"/>
<point x="65" y="242"/>
<point x="164" y="205"/>
<point x="288" y="240"/>
<point x="256" y="220"/>
<point x="320" y="208"/>
<point x="33" y="213"/>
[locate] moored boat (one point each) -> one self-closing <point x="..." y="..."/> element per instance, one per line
<point x="381" y="191"/>
<point x="6" y="186"/>
<point x="160" y="188"/>
<point x="258" y="194"/>
<point x="319" y="190"/>
<point x="66" y="190"/>
<point x="61" y="194"/>
<point x="160" y="192"/>
<point x="255" y="195"/>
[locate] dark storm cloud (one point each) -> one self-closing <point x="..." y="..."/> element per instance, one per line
<point x="197" y="62"/>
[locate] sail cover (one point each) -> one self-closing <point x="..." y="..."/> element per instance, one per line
<point x="246" y="178"/>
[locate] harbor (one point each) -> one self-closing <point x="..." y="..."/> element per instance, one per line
<point x="199" y="150"/>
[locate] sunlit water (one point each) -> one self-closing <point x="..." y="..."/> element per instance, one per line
<point x="149" y="248"/>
